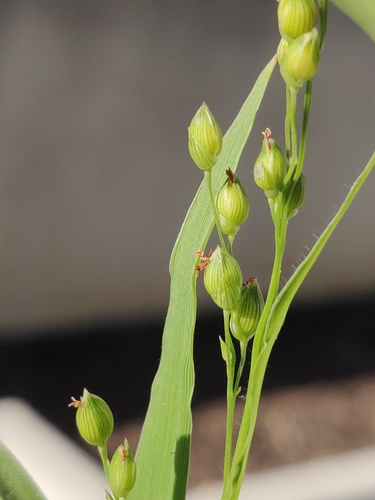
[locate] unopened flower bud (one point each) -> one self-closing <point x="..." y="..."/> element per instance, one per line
<point x="122" y="471"/>
<point x="205" y="139"/>
<point x="299" y="59"/>
<point x="246" y="314"/>
<point x="223" y="279"/>
<point x="270" y="167"/>
<point x="295" y="196"/>
<point x="296" y="17"/>
<point x="232" y="205"/>
<point x="94" y="418"/>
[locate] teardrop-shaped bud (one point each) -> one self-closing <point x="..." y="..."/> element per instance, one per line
<point x="94" y="418"/>
<point x="232" y="205"/>
<point x="122" y="471"/>
<point x="223" y="279"/>
<point x="295" y="196"/>
<point x="296" y="17"/>
<point x="205" y="138"/>
<point x="270" y="167"/>
<point x="299" y="59"/>
<point x="246" y="314"/>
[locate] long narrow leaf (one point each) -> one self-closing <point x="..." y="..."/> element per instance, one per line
<point x="164" y="449"/>
<point x="362" y="12"/>
<point x="15" y="483"/>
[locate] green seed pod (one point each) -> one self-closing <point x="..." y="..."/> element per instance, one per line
<point x="299" y="59"/>
<point x="296" y="17"/>
<point x="232" y="205"/>
<point x="270" y="167"/>
<point x="94" y="418"/>
<point x="122" y="471"/>
<point x="295" y="196"/>
<point x="246" y="314"/>
<point x="223" y="279"/>
<point x="205" y="139"/>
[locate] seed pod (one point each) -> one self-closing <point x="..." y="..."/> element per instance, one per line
<point x="205" y="139"/>
<point x="246" y="314"/>
<point x="270" y="167"/>
<point x="295" y="196"/>
<point x="296" y="17"/>
<point x="223" y="279"/>
<point x="299" y="59"/>
<point x="94" y="418"/>
<point x="122" y="471"/>
<point x="232" y="205"/>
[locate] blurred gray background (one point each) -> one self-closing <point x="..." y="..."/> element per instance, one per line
<point x="95" y="178"/>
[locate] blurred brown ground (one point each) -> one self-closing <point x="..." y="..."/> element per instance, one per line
<point x="293" y="425"/>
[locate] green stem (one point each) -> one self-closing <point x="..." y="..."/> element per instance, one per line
<point x="287" y="123"/>
<point x="305" y="123"/>
<point x="259" y="360"/>
<point x="323" y="17"/>
<point x="216" y="217"/>
<point x="292" y="120"/>
<point x="231" y="396"/>
<point x="232" y="485"/>
<point x="104" y="456"/>
<point x="281" y="224"/>
<point x="243" y="348"/>
<point x="230" y="243"/>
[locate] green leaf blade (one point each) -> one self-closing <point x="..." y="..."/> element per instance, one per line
<point x="15" y="482"/>
<point x="164" y="448"/>
<point x="362" y="12"/>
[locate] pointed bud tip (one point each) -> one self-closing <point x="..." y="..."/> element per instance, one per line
<point x="122" y="471"/>
<point x="205" y="138"/>
<point x="223" y="279"/>
<point x="270" y="167"/>
<point x="232" y="205"/>
<point x="94" y="418"/>
<point x="246" y="314"/>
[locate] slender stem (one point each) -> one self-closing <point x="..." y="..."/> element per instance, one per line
<point x="231" y="397"/>
<point x="281" y="224"/>
<point x="104" y="456"/>
<point x="243" y="348"/>
<point x="216" y="217"/>
<point x="306" y="116"/>
<point x="323" y="17"/>
<point x="287" y="122"/>
<point x="230" y="244"/>
<point x="292" y="118"/>
<point x="232" y="485"/>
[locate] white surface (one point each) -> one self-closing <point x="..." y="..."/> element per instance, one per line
<point x="61" y="469"/>
<point x="349" y="476"/>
